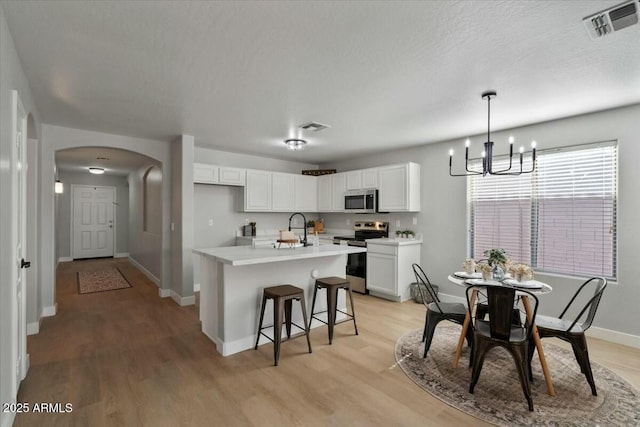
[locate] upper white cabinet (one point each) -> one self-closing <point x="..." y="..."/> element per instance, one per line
<point x="257" y="191"/>
<point x="211" y="174"/>
<point x="205" y="174"/>
<point x="282" y="192"/>
<point x="231" y="176"/>
<point x="361" y="179"/>
<point x="324" y="193"/>
<point x="338" y="187"/>
<point x="399" y="188"/>
<point x="305" y="197"/>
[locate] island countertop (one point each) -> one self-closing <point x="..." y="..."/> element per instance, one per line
<point x="247" y="255"/>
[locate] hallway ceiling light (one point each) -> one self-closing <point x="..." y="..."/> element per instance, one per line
<point x="97" y="171"/>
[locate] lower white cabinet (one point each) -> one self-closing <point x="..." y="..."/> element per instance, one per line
<point x="389" y="271"/>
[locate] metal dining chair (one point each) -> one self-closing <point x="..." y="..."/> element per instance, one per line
<point x="572" y="331"/>
<point x="437" y="310"/>
<point x="499" y="330"/>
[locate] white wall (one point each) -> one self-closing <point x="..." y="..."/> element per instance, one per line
<point x="444" y="208"/>
<point x="63" y="223"/>
<point x="145" y="247"/>
<point x="12" y="77"/>
<point x="58" y="138"/>
<point x="181" y="217"/>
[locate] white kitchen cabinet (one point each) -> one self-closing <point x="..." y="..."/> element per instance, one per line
<point x="361" y="179"/>
<point x="399" y="188"/>
<point x="282" y="192"/>
<point x="338" y="187"/>
<point x="305" y="193"/>
<point x="231" y="176"/>
<point x="205" y="174"/>
<point x="222" y="175"/>
<point x="257" y="191"/>
<point x="389" y="271"/>
<point x="324" y="193"/>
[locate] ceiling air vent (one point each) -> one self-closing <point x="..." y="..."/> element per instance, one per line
<point x="612" y="19"/>
<point x="314" y="126"/>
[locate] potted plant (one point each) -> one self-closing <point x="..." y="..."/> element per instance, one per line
<point x="497" y="258"/>
<point x="410" y="234"/>
<point x="310" y="226"/>
<point x="398" y="233"/>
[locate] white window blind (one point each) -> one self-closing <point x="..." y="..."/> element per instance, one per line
<point x="561" y="218"/>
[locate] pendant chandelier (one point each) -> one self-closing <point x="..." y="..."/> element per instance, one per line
<point x="487" y="153"/>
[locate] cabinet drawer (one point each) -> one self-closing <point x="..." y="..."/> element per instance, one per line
<point x="382" y="249"/>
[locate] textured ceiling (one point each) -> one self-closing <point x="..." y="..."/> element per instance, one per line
<point x="241" y="76"/>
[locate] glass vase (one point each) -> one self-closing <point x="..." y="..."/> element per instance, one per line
<point x="498" y="273"/>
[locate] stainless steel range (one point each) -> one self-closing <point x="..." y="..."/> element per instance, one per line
<point x="357" y="263"/>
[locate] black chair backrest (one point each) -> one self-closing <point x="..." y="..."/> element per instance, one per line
<point x="599" y="283"/>
<point x="501" y="300"/>
<point x="424" y="285"/>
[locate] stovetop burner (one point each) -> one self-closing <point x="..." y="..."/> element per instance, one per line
<point x="365" y="230"/>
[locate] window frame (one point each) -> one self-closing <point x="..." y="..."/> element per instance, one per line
<point x="534" y="226"/>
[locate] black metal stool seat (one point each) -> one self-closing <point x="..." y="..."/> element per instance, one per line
<point x="332" y="285"/>
<point x="282" y="296"/>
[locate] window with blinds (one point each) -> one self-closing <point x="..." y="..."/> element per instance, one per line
<point x="561" y="218"/>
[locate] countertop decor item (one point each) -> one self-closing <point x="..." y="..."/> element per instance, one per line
<point x="487" y="153"/>
<point x="319" y="172"/>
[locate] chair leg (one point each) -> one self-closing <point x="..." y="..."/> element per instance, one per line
<point x="313" y="304"/>
<point x="353" y="310"/>
<point x="424" y="332"/>
<point x="277" y="328"/>
<point x="307" y="325"/>
<point x="520" y="357"/>
<point x="430" y="327"/>
<point x="579" y="344"/>
<point x="287" y="316"/>
<point x="264" y="303"/>
<point x="332" y="301"/>
<point x="480" y="350"/>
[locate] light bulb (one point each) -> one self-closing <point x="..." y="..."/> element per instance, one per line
<point x="467" y="142"/>
<point x="511" y="139"/>
<point x="484" y="153"/>
<point x="451" y="152"/>
<point x="533" y="144"/>
<point x="521" y="149"/>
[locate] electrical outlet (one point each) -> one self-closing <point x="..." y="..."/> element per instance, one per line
<point x="348" y="221"/>
<point x="415" y="220"/>
<point x="210" y="223"/>
<point x="397" y="223"/>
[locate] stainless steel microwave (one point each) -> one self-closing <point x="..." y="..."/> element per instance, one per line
<point x="361" y="201"/>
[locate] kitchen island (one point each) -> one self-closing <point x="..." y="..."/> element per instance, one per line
<point x="232" y="279"/>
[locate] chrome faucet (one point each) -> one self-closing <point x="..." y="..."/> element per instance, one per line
<point x="304" y="226"/>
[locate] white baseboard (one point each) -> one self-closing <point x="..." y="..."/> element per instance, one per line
<point x="49" y="311"/>
<point x="65" y="259"/>
<point x="593" y="332"/>
<point x="146" y="272"/>
<point x="25" y="366"/>
<point x="121" y="255"/>
<point x="182" y="301"/>
<point x="164" y="293"/>
<point x="614" y="336"/>
<point x="33" y="328"/>
<point x="196" y="287"/>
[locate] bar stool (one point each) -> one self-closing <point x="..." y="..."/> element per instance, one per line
<point x="282" y="296"/>
<point x="332" y="285"/>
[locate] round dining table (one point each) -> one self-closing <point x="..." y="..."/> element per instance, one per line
<point x="535" y="287"/>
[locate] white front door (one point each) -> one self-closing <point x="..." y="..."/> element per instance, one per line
<point x="93" y="221"/>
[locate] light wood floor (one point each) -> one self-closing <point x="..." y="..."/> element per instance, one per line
<point x="128" y="357"/>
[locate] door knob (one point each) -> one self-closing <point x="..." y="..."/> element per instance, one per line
<point x="25" y="264"/>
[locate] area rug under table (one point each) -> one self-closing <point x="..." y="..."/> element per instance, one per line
<point x="108" y="279"/>
<point x="498" y="396"/>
